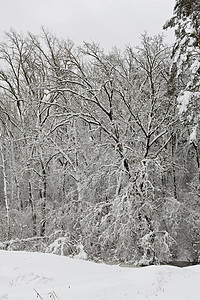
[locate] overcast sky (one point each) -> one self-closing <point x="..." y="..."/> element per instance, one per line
<point x="108" y="22"/>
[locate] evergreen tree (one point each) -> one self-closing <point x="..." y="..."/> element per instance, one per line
<point x="185" y="84"/>
<point x="186" y="50"/>
<point x="185" y="71"/>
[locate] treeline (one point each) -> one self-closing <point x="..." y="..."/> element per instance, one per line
<point x="96" y="153"/>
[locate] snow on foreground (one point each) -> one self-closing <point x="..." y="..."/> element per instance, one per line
<point x="59" y="277"/>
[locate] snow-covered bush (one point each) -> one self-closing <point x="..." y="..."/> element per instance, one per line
<point x="128" y="229"/>
<point x="62" y="244"/>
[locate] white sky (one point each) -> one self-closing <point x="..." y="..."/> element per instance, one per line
<point x="108" y="22"/>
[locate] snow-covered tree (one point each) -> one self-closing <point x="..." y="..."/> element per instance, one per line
<point x="91" y="155"/>
<point x="185" y="85"/>
<point x="186" y="61"/>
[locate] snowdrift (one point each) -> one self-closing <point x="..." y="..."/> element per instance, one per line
<point x="31" y="276"/>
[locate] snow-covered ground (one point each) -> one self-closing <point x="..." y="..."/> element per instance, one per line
<point x="23" y="275"/>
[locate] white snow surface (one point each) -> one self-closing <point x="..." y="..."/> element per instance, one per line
<point x="24" y="274"/>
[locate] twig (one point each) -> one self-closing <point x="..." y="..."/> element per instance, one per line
<point x="38" y="295"/>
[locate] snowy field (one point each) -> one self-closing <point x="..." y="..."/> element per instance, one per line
<point x="31" y="276"/>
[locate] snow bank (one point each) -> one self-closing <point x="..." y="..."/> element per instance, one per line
<point x="23" y="275"/>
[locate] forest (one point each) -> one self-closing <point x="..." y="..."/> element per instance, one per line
<point x="100" y="152"/>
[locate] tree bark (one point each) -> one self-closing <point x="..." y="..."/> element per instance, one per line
<point x="5" y="189"/>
